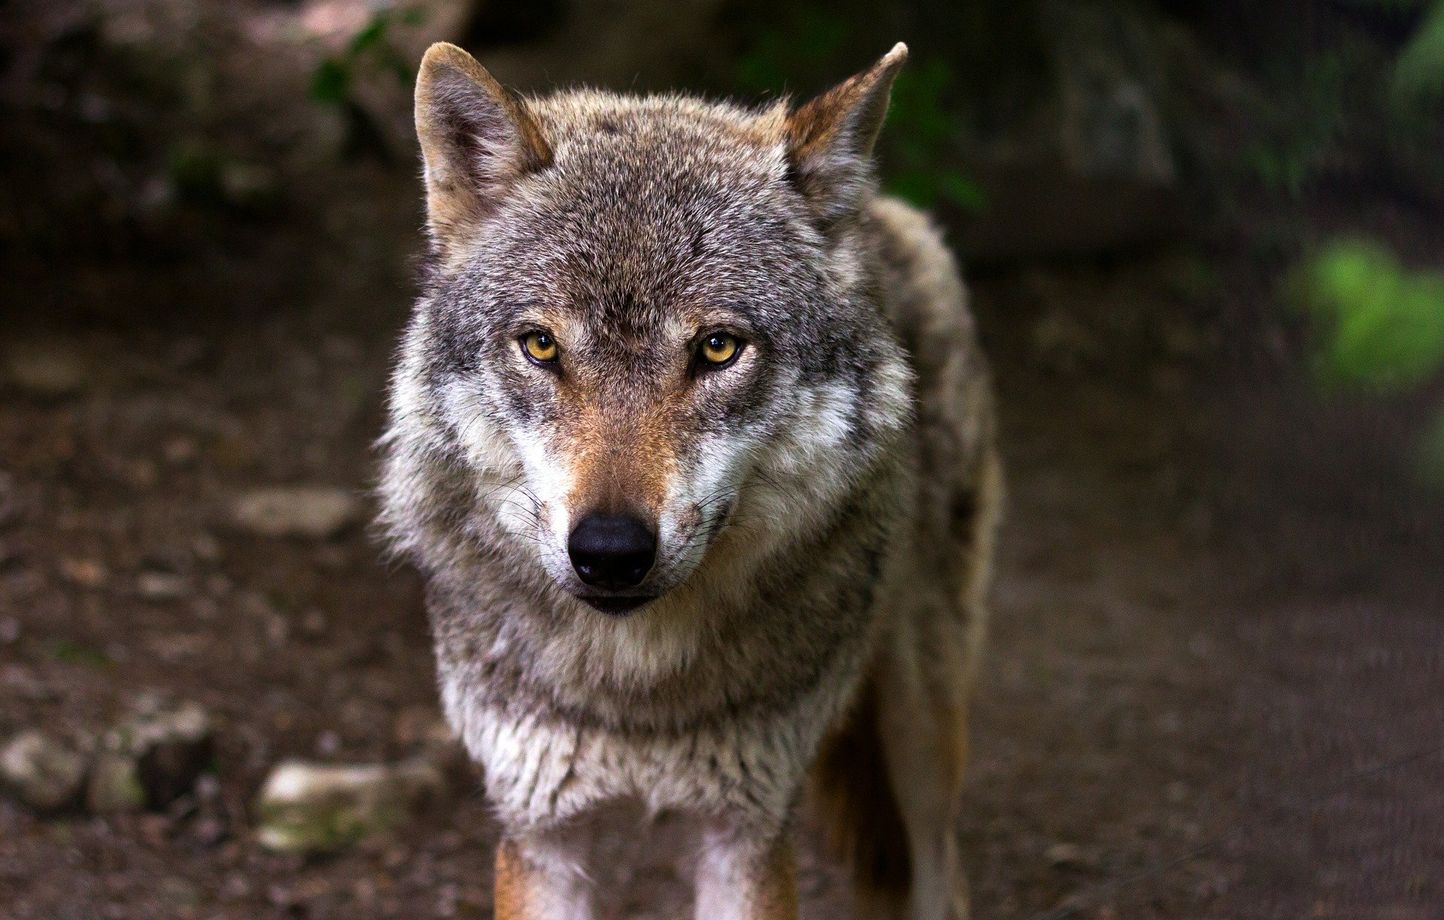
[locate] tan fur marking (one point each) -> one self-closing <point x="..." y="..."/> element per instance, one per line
<point x="857" y="801"/>
<point x="776" y="894"/>
<point x="513" y="896"/>
<point x="853" y="109"/>
<point x="622" y="462"/>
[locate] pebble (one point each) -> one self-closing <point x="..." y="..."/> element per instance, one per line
<point x="1069" y="854"/>
<point x="314" y="512"/>
<point x="161" y="586"/>
<point x="46" y="368"/>
<point x="167" y="746"/>
<point x="315" y="808"/>
<point x="42" y="771"/>
<point x="114" y="785"/>
<point x="313" y="623"/>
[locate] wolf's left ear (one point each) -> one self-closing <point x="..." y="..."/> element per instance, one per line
<point x="477" y="139"/>
<point x="830" y="139"/>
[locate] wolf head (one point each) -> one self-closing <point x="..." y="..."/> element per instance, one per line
<point x="648" y="322"/>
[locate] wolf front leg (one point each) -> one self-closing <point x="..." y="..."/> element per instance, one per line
<point x="746" y="877"/>
<point x="538" y="880"/>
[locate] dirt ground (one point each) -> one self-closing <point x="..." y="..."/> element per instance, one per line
<point x="1215" y="681"/>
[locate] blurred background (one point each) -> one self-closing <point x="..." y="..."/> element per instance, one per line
<point x="1206" y="247"/>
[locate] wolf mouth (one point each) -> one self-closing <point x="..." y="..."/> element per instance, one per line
<point x="616" y="605"/>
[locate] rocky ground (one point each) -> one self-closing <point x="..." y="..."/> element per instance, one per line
<point x="1213" y="687"/>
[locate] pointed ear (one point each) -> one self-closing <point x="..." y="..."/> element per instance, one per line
<point x="831" y="138"/>
<point x="477" y="138"/>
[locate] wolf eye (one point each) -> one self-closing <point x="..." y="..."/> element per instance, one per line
<point x="539" y="347"/>
<point x="720" y="349"/>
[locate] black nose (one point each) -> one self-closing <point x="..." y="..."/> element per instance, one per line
<point x="612" y="551"/>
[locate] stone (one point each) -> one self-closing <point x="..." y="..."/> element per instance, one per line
<point x="46" y="368"/>
<point x="313" y="623"/>
<point x="160" y="586"/>
<point x="166" y="747"/>
<point x="1070" y="855"/>
<point x="250" y="186"/>
<point x="114" y="785"/>
<point x="42" y="771"/>
<point x="315" y="808"/>
<point x="314" y="512"/>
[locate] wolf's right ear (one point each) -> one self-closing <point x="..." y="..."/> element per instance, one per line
<point x="477" y="138"/>
<point x="830" y="139"/>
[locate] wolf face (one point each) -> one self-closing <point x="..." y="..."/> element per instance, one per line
<point x="647" y="324"/>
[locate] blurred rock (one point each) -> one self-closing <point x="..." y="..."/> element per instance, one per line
<point x="250" y="186"/>
<point x="160" y="586"/>
<point x="1091" y="161"/>
<point x="114" y="785"/>
<point x="165" y="746"/>
<point x="46" y="368"/>
<point x="180" y="450"/>
<point x="313" y="624"/>
<point x="306" y="807"/>
<point x="316" y="512"/>
<point x="1111" y="66"/>
<point x="42" y="771"/>
<point x="87" y="573"/>
<point x="1070" y="855"/>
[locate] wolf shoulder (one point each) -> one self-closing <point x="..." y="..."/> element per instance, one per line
<point x="922" y="286"/>
<point x="925" y="299"/>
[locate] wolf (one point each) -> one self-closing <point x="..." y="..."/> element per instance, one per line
<point x="692" y="440"/>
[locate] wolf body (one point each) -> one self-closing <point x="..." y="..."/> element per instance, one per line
<point x="702" y="587"/>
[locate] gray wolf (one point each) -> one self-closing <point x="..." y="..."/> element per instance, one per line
<point x="692" y="441"/>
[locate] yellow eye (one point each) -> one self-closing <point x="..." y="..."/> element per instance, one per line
<point x="719" y="348"/>
<point x="540" y="347"/>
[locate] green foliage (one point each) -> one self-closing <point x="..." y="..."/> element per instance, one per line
<point x="1359" y="97"/>
<point x="920" y="144"/>
<point x="1419" y="73"/>
<point x="1383" y="324"/>
<point x="923" y="139"/>
<point x="1383" y="329"/>
<point x="195" y="171"/>
<point x="1292" y="152"/>
<point x="333" y="79"/>
<point x="806" y="43"/>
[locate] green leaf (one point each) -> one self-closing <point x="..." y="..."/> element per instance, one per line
<point x="962" y="191"/>
<point x="330" y="82"/>
<point x="1419" y="71"/>
<point x="915" y="187"/>
<point x="372" y="34"/>
<point x="1384" y="325"/>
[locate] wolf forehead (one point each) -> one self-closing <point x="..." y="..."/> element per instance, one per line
<point x="653" y="212"/>
<point x="652" y="200"/>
